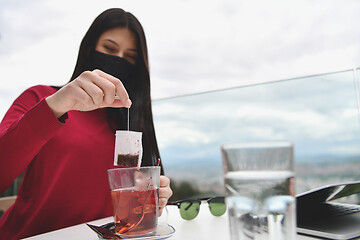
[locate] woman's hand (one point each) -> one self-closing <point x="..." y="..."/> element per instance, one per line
<point x="91" y="90"/>
<point x="165" y="193"/>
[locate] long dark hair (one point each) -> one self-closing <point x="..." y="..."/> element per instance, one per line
<point x="140" y="112"/>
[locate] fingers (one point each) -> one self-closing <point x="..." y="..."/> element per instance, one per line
<point x="165" y="192"/>
<point x="96" y="89"/>
<point x="89" y="91"/>
<point x="164" y="181"/>
<point x="110" y="87"/>
<point x="106" y="88"/>
<point x="94" y="92"/>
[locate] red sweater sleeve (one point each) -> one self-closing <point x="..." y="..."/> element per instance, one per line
<point x="26" y="127"/>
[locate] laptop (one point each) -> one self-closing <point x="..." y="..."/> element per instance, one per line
<point x="318" y="216"/>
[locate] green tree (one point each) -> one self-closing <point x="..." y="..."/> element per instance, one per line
<point x="183" y="190"/>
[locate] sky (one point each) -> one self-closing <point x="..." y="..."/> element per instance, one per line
<point x="194" y="46"/>
<point x="318" y="114"/>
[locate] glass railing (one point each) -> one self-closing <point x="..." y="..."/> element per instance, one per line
<point x="319" y="114"/>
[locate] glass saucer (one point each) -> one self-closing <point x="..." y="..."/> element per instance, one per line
<point x="163" y="231"/>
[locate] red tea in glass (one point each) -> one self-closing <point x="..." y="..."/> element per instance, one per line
<point x="135" y="212"/>
<point x="135" y="198"/>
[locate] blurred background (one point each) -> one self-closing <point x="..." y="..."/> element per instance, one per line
<point x="319" y="114"/>
<point x="221" y="71"/>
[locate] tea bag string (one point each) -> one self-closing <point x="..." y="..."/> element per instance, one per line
<point x="128" y="120"/>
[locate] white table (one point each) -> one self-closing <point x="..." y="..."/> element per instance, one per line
<point x="203" y="227"/>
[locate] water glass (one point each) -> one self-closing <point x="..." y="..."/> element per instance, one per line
<point x="259" y="183"/>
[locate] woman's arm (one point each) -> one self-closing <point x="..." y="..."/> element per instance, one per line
<point x="32" y="119"/>
<point x="26" y="127"/>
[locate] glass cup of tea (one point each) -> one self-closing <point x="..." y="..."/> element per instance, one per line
<point x="128" y="149"/>
<point x="259" y="184"/>
<point x="135" y="197"/>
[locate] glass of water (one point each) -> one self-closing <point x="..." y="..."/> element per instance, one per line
<point x="259" y="183"/>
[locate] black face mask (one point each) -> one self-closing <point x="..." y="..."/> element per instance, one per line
<point x="117" y="67"/>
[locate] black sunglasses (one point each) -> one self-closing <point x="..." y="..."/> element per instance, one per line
<point x="190" y="208"/>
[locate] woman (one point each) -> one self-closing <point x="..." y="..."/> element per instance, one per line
<point x="63" y="137"/>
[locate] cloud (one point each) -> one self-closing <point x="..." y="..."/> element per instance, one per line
<point x="319" y="114"/>
<point x="194" y="46"/>
<point x="259" y="41"/>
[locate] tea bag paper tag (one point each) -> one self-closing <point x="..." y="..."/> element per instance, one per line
<point x="128" y="149"/>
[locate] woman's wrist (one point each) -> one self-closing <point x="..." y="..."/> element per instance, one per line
<point x="52" y="103"/>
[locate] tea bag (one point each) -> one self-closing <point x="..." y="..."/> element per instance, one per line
<point x="128" y="149"/>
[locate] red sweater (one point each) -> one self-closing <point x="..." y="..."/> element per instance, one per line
<point x="65" y="181"/>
